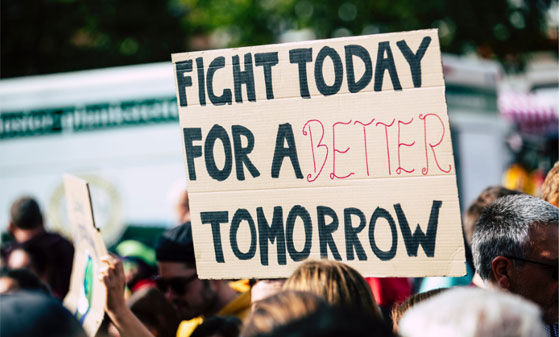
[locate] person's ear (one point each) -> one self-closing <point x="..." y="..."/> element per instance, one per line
<point x="502" y="269"/>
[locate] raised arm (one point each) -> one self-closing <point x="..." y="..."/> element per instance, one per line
<point x="112" y="274"/>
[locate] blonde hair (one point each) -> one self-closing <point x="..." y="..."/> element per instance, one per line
<point x="550" y="186"/>
<point x="338" y="283"/>
<point x="280" y="309"/>
<point x="399" y="309"/>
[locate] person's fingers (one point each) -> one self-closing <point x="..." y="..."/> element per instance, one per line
<point x="107" y="259"/>
<point x="111" y="264"/>
<point x="110" y="259"/>
<point x="103" y="271"/>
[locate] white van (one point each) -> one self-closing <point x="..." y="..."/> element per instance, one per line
<point x="117" y="128"/>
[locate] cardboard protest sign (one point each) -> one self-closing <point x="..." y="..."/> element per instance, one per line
<point x="87" y="295"/>
<point x="336" y="149"/>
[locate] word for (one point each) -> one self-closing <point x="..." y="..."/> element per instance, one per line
<point x="300" y="57"/>
<point x="280" y="232"/>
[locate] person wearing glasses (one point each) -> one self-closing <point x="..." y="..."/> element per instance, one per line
<point x="192" y="297"/>
<point x="515" y="248"/>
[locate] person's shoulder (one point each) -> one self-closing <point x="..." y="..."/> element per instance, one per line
<point x="240" y="307"/>
<point x="57" y="238"/>
<point x="186" y="328"/>
<point x="50" y="240"/>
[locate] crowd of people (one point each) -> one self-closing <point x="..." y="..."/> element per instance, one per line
<point x="511" y="286"/>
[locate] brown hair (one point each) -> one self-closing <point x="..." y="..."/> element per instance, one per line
<point x="279" y="309"/>
<point x="399" y="309"/>
<point x="338" y="283"/>
<point x="154" y="311"/>
<point x="26" y="214"/>
<point x="550" y="186"/>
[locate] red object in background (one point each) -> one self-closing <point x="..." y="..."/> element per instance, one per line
<point x="389" y="290"/>
<point x="145" y="283"/>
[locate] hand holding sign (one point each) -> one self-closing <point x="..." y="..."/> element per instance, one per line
<point x="112" y="275"/>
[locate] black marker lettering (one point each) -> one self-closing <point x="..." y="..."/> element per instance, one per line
<point x="217" y="132"/>
<point x="412" y="241"/>
<point x="382" y="255"/>
<point x="351" y="234"/>
<point x="192" y="151"/>
<point x="362" y="53"/>
<point x="183" y="81"/>
<point x="243" y="77"/>
<point x="414" y="59"/>
<point x="272" y="233"/>
<point x="200" y="73"/>
<point x="385" y="63"/>
<point x="298" y="212"/>
<point x="324" y="89"/>
<point x="242" y="153"/>
<point x="325" y="231"/>
<point x="267" y="61"/>
<point x="242" y="215"/>
<point x="215" y="219"/>
<point x="217" y="63"/>
<point x="285" y="132"/>
<point x="302" y="57"/>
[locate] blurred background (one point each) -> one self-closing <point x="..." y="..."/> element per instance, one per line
<point x="86" y="87"/>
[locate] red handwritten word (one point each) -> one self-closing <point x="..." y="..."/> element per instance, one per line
<point x="402" y="127"/>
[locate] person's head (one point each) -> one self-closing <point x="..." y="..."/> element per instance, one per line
<point x="515" y="247"/>
<point x="20" y="279"/>
<point x="279" y="309"/>
<point x="399" y="309"/>
<point x="218" y="326"/>
<point x="473" y="312"/>
<point x="31" y="258"/>
<point x="36" y="314"/>
<point x="549" y="190"/>
<point x="25" y="214"/>
<point x="264" y="288"/>
<point x="329" y="321"/>
<point x="154" y="311"/>
<point x="179" y="281"/>
<point x="485" y="198"/>
<point x="338" y="283"/>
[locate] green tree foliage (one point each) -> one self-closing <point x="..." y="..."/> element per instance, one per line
<point x="45" y="36"/>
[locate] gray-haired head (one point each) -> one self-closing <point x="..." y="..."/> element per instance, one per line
<point x="473" y="312"/>
<point x="503" y="229"/>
